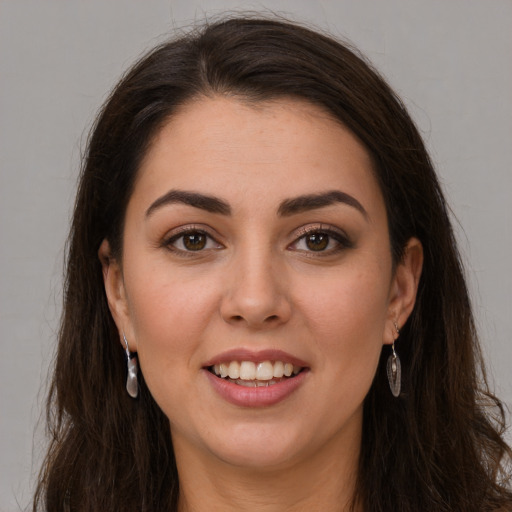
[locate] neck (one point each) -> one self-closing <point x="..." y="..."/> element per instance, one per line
<point x="324" y="482"/>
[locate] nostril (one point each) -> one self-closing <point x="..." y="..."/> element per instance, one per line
<point x="271" y="319"/>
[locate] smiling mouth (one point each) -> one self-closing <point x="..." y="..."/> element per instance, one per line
<point x="250" y="374"/>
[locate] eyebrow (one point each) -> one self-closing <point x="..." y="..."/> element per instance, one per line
<point x="287" y="208"/>
<point x="313" y="201"/>
<point x="209" y="203"/>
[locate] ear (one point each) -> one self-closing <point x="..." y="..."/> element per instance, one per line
<point x="116" y="294"/>
<point x="404" y="288"/>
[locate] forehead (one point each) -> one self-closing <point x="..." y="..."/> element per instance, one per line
<point x="272" y="149"/>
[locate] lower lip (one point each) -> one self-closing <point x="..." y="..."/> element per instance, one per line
<point x="261" y="396"/>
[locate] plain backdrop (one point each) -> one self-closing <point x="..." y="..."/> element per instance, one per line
<point x="450" y="60"/>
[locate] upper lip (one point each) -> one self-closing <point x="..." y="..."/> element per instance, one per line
<point x="241" y="354"/>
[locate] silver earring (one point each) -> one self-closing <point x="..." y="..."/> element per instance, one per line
<point x="132" y="385"/>
<point x="394" y="369"/>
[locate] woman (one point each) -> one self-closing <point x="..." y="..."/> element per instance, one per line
<point x="265" y="308"/>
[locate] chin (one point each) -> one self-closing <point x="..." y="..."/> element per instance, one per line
<point x="259" y="447"/>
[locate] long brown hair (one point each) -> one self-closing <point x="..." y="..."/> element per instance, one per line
<point x="437" y="447"/>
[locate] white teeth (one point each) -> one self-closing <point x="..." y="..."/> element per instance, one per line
<point x="248" y="371"/>
<point x="256" y="383"/>
<point x="278" y="369"/>
<point x="224" y="370"/>
<point x="264" y="371"/>
<point x="234" y="370"/>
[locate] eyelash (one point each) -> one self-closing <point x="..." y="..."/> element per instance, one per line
<point x="169" y="242"/>
<point x="342" y="241"/>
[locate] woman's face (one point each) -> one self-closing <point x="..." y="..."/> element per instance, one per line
<point x="256" y="243"/>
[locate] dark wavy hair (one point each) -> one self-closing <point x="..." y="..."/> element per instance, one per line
<point x="439" y="446"/>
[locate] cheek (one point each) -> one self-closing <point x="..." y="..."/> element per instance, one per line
<point x="346" y="315"/>
<point x="346" y="300"/>
<point x="168" y="319"/>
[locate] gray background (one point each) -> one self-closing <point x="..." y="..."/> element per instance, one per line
<point x="450" y="60"/>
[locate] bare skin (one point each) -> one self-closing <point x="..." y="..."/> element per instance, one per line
<point x="256" y="229"/>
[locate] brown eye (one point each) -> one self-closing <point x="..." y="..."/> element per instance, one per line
<point x="317" y="241"/>
<point x="191" y="240"/>
<point x="322" y="241"/>
<point x="194" y="241"/>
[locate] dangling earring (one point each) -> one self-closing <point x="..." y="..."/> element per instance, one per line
<point x="394" y="368"/>
<point x="132" y="385"/>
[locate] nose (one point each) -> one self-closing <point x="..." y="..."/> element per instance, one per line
<point x="256" y="291"/>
